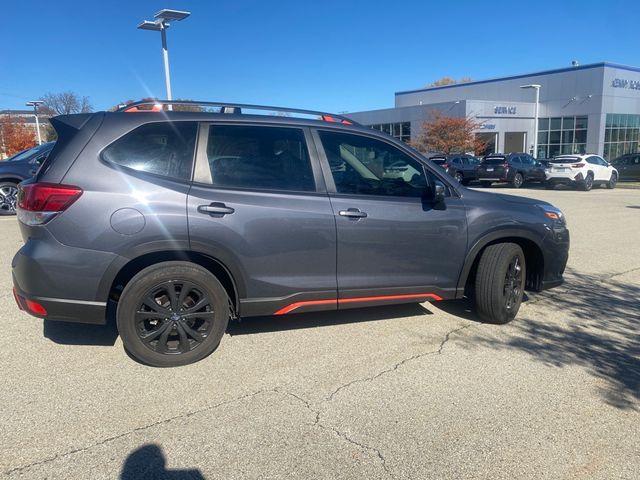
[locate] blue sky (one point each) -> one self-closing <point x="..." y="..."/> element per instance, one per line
<point x="326" y="55"/>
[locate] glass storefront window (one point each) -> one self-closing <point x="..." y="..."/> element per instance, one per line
<point x="562" y="135"/>
<point x="400" y="130"/>
<point x="621" y="135"/>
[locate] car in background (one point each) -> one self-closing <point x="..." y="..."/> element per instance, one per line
<point x="462" y="167"/>
<point x="514" y="168"/>
<point x="17" y="168"/>
<point x="582" y="171"/>
<point x="628" y="166"/>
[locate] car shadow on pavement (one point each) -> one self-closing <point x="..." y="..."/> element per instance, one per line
<point x="599" y="330"/>
<point x="148" y="462"/>
<point x="67" y="333"/>
<point x="254" y="325"/>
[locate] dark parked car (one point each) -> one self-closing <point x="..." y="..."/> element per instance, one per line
<point x="178" y="221"/>
<point x="513" y="168"/>
<point x="628" y="166"/>
<point x="462" y="167"/>
<point x="17" y="168"/>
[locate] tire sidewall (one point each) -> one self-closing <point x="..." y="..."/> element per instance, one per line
<point x="146" y="280"/>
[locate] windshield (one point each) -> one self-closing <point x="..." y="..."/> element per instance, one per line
<point x="27" y="153"/>
<point x="565" y="160"/>
<point x="494" y="160"/>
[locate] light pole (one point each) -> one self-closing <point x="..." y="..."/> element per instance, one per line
<point x="160" y="24"/>
<point x="35" y="104"/>
<point x="535" y="125"/>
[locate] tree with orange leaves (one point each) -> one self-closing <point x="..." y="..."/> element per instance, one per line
<point x="444" y="134"/>
<point x="15" y="136"/>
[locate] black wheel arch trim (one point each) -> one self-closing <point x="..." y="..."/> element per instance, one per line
<point x="483" y="241"/>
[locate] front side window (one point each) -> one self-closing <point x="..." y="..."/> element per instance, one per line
<point x="259" y="157"/>
<point x="367" y="166"/>
<point x="159" y="148"/>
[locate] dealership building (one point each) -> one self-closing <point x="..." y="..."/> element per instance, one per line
<point x="581" y="109"/>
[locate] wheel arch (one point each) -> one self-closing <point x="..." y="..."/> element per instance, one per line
<point x="124" y="271"/>
<point x="530" y="245"/>
<point x="10" y="179"/>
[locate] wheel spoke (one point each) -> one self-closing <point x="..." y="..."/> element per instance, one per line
<point x="173" y="296"/>
<point x="198" y="337"/>
<point x="141" y="316"/>
<point x="183" y="345"/>
<point x="150" y="302"/>
<point x="186" y="289"/>
<point x="203" y="302"/>
<point x="151" y="336"/>
<point x="162" y="341"/>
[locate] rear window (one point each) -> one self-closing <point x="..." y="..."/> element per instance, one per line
<point x="565" y="160"/>
<point x="494" y="160"/>
<point x="438" y="161"/>
<point x="164" y="149"/>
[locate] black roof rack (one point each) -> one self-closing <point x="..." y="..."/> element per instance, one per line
<point x="232" y="108"/>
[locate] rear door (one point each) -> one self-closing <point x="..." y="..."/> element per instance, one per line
<point x="393" y="245"/>
<point x="601" y="170"/>
<point x="258" y="205"/>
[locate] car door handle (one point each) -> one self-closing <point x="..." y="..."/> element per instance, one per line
<point x="352" y="213"/>
<point x="216" y="208"/>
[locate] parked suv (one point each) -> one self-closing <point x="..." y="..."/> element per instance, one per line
<point x="17" y="168"/>
<point x="462" y="167"/>
<point x="628" y="166"/>
<point x="582" y="171"/>
<point x="178" y="221"/>
<point x="513" y="168"/>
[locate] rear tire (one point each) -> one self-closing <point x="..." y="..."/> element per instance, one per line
<point x="518" y="180"/>
<point x="172" y="313"/>
<point x="613" y="181"/>
<point x="459" y="177"/>
<point x="500" y="280"/>
<point x="587" y="184"/>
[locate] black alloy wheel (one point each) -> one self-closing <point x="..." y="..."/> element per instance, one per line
<point x="174" y="317"/>
<point x="513" y="283"/>
<point x="458" y="176"/>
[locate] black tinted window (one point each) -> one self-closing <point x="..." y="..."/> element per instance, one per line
<point x="363" y="165"/>
<point x="160" y="148"/>
<point x="494" y="160"/>
<point x="266" y="158"/>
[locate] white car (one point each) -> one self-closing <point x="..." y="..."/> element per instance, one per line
<point x="583" y="171"/>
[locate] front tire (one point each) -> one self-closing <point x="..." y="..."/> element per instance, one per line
<point x="172" y="313"/>
<point x="613" y="181"/>
<point x="500" y="282"/>
<point x="8" y="198"/>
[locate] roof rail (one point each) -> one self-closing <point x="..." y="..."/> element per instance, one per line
<point x="231" y="108"/>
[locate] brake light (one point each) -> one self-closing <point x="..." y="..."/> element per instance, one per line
<point x="35" y="308"/>
<point x="40" y="202"/>
<point x="445" y="165"/>
<point x="577" y="165"/>
<point x="505" y="165"/>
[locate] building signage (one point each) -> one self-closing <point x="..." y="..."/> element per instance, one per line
<point x="624" y="83"/>
<point x="488" y="126"/>
<point x="504" y="110"/>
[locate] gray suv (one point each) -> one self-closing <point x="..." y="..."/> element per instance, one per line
<point x="177" y="221"/>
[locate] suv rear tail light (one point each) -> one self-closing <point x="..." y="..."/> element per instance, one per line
<point x="40" y="202"/>
<point x="577" y="165"/>
<point x="445" y="165"/>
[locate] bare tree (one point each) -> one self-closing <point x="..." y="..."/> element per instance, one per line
<point x="448" y="81"/>
<point x="65" y="103"/>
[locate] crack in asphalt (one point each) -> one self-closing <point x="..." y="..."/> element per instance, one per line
<point x="317" y="422"/>
<point x="399" y="364"/>
<point x="134" y="430"/>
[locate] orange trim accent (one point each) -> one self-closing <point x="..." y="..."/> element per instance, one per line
<point x="293" y="306"/>
<point x="296" y="305"/>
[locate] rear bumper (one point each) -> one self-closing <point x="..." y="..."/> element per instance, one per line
<point x="564" y="178"/>
<point x="64" y="280"/>
<point x="61" y="309"/>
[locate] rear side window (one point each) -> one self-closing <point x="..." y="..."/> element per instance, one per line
<point x="159" y="148"/>
<point x="262" y="158"/>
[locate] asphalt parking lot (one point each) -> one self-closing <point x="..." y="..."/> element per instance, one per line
<point x="396" y="392"/>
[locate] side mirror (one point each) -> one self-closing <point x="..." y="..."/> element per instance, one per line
<point x="436" y="193"/>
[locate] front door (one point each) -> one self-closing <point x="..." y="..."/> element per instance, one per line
<point x="393" y="245"/>
<point x="258" y="206"/>
<point x="514" y="142"/>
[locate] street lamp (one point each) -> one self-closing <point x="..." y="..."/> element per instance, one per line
<point x="160" y="24"/>
<point x="35" y="104"/>
<point x="535" y="126"/>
